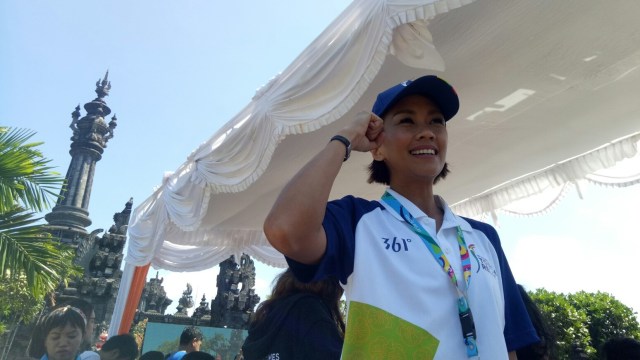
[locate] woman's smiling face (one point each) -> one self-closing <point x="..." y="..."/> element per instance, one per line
<point x="63" y="342"/>
<point x="415" y="139"/>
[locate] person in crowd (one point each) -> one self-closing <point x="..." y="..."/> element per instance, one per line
<point x="419" y="279"/>
<point x="545" y="349"/>
<point x="298" y="321"/>
<point x="190" y="340"/>
<point x="87" y="339"/>
<point x="119" y="347"/>
<point x="152" y="355"/>
<point x="199" y="355"/>
<point x="58" y="335"/>
<point x="621" y="349"/>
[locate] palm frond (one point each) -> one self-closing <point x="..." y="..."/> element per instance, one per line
<point x="28" y="250"/>
<point x="26" y="179"/>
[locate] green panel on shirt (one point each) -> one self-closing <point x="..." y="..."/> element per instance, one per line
<point x="373" y="333"/>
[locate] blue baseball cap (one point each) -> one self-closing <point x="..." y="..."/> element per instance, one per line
<point x="430" y="86"/>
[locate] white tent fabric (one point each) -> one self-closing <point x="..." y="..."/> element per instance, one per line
<point x="555" y="179"/>
<point x="181" y="228"/>
<point x="540" y="83"/>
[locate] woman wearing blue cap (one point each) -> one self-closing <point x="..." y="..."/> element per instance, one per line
<point x="420" y="281"/>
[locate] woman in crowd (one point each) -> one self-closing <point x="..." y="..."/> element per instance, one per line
<point x="298" y="321"/>
<point x="87" y="339"/>
<point x="58" y="335"/>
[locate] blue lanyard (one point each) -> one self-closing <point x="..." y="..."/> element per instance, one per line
<point x="464" y="312"/>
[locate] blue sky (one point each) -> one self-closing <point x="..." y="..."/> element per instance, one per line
<point x="179" y="70"/>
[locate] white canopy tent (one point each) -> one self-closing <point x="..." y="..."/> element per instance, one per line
<point x="548" y="97"/>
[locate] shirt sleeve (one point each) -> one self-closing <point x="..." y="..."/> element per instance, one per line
<point x="339" y="223"/>
<point x="89" y="355"/>
<point x="518" y="329"/>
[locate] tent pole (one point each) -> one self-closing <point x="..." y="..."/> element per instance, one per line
<point x="133" y="298"/>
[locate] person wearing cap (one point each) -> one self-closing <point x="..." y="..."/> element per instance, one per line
<point x="420" y="281"/>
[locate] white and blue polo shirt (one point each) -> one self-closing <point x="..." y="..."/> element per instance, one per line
<point x="401" y="304"/>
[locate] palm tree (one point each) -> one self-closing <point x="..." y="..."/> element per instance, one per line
<point x="25" y="178"/>
<point x="28" y="184"/>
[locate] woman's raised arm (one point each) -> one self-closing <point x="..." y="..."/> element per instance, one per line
<point x="294" y="224"/>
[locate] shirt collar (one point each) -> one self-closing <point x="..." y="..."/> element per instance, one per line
<point x="449" y="220"/>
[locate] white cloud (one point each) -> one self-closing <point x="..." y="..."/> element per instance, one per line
<point x="568" y="265"/>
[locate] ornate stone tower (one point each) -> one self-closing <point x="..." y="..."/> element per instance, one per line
<point x="236" y="297"/>
<point x="100" y="256"/>
<point x="69" y="218"/>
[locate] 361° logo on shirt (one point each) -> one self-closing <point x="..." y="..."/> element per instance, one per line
<point x="396" y="244"/>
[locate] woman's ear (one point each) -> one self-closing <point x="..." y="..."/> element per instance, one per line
<point x="377" y="154"/>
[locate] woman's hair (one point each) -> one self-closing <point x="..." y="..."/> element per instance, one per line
<point x="87" y="310"/>
<point x="545" y="349"/>
<point x="59" y="317"/>
<point x="379" y="173"/>
<point x="81" y="304"/>
<point x="286" y="284"/>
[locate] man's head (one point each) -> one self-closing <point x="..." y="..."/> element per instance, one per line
<point x="432" y="87"/>
<point x="621" y="348"/>
<point x="191" y="339"/>
<point x="120" y="347"/>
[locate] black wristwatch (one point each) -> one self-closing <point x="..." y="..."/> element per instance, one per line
<point x="346" y="143"/>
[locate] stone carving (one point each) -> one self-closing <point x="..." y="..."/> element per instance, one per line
<point x="203" y="309"/>
<point x="75" y="116"/>
<point x="101" y="280"/>
<point x="154" y="297"/>
<point x="103" y="86"/>
<point x="185" y="302"/>
<point x="236" y="297"/>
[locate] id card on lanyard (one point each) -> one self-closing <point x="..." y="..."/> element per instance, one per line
<point x="464" y="312"/>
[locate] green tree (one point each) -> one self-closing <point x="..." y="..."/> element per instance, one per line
<point x="607" y="317"/>
<point x="169" y="346"/>
<point x="138" y="331"/>
<point x="27" y="184"/>
<point x="218" y="344"/>
<point x="17" y="305"/>
<point x="569" y="325"/>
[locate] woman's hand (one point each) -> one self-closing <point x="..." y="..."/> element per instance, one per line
<point x="365" y="132"/>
